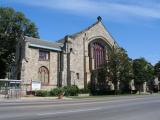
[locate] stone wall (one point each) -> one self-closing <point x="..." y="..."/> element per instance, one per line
<point x="75" y="70"/>
<point x="79" y="60"/>
<point x="31" y="65"/>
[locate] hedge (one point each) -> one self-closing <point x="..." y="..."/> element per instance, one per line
<point x="56" y="91"/>
<point x="42" y="93"/>
<point x="71" y="90"/>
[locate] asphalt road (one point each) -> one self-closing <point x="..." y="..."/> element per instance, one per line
<point x="122" y="108"/>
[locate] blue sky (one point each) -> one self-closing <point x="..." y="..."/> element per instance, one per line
<point x="135" y="24"/>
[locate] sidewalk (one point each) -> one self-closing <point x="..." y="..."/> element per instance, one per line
<point x="31" y="99"/>
<point x="71" y="98"/>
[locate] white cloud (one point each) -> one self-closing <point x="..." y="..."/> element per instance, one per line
<point x="118" y="9"/>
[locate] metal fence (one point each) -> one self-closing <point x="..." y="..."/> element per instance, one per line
<point x="10" y="89"/>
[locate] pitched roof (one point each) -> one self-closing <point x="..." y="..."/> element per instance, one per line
<point x="77" y="33"/>
<point x="38" y="43"/>
<point x="34" y="42"/>
<point x="99" y="19"/>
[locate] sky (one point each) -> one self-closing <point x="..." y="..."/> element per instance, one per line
<point x="134" y="24"/>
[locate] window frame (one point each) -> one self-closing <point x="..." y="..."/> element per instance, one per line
<point x="42" y="75"/>
<point x="46" y="52"/>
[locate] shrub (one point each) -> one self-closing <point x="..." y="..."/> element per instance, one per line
<point x="56" y="91"/>
<point x="71" y="90"/>
<point x="42" y="93"/>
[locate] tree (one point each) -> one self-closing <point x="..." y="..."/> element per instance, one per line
<point x="112" y="66"/>
<point x="13" y="26"/>
<point x="125" y="71"/>
<point x="157" y="70"/>
<point x="119" y="68"/>
<point x="143" y="72"/>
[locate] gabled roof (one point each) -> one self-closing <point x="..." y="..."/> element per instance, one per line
<point x="38" y="43"/>
<point x="77" y="33"/>
<point x="99" y="19"/>
<point x="83" y="31"/>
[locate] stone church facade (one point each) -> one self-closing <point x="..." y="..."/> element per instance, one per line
<point x="69" y="61"/>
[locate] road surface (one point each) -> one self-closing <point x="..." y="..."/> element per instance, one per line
<point x="122" y="108"/>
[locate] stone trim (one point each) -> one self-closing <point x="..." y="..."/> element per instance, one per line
<point x="44" y="47"/>
<point x="100" y="37"/>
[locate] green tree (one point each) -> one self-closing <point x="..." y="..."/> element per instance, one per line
<point x="143" y="72"/>
<point x="113" y="66"/>
<point x="13" y="25"/>
<point x="125" y="71"/>
<point x="157" y="70"/>
<point x="119" y="68"/>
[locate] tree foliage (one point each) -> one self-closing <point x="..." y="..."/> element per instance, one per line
<point x="143" y="72"/>
<point x="120" y="68"/>
<point x="157" y="70"/>
<point x="117" y="69"/>
<point x="125" y="71"/>
<point x="13" y="25"/>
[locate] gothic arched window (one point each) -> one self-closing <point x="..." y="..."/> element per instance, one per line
<point x="97" y="53"/>
<point x="43" y="75"/>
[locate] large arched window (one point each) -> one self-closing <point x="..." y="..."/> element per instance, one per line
<point x="43" y="75"/>
<point x="97" y="54"/>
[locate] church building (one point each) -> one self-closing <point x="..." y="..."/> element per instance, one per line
<point x="69" y="61"/>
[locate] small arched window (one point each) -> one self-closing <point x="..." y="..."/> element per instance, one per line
<point x="43" y="75"/>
